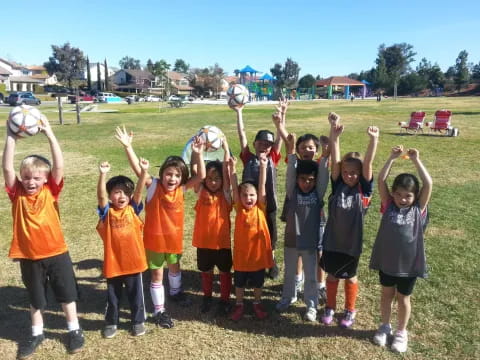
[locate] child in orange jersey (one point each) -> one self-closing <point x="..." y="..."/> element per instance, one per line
<point x="163" y="231"/>
<point x="252" y="251"/>
<point x="211" y="234"/>
<point x="38" y="242"/>
<point x="124" y="254"/>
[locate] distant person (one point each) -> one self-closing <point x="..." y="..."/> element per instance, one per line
<point x="352" y="97"/>
<point x="38" y="242"/>
<point x="399" y="250"/>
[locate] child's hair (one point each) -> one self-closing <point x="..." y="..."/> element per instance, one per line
<point x="324" y="140"/>
<point x="178" y="163"/>
<point x="307" y="167"/>
<point x="217" y="165"/>
<point x="353" y="157"/>
<point x="121" y="181"/>
<point x="408" y="182"/>
<point x="35" y="162"/>
<point x="246" y="185"/>
<point x="307" y="137"/>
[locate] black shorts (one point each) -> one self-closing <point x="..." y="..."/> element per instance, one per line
<point x="340" y="265"/>
<point x="404" y="285"/>
<point x="207" y="259"/>
<point x="272" y="227"/>
<point x="56" y="271"/>
<point x="254" y="279"/>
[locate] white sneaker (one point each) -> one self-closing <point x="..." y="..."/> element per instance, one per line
<point x="400" y="342"/>
<point x="380" y="337"/>
<point x="284" y="304"/>
<point x="311" y="315"/>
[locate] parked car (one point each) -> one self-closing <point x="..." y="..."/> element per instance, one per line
<point x="81" y="97"/>
<point x="173" y="98"/>
<point x="108" y="97"/>
<point x="19" y="98"/>
<point x="152" y="98"/>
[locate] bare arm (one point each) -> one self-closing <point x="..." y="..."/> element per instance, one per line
<point x="335" y="132"/>
<point x="322" y="177"/>
<point x="262" y="179"/>
<point x="57" y="156"/>
<point x="290" y="178"/>
<point x="241" y="128"/>
<point x="137" y="195"/>
<point x="226" y="159"/>
<point x="8" y="159"/>
<point x="426" y="190"/>
<point x="367" y="172"/>
<point x="102" y="195"/>
<point x="233" y="179"/>
<point x="281" y="134"/>
<point x="383" y="174"/>
<point x="197" y="160"/>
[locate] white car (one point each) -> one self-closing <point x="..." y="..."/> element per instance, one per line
<point x="173" y="98"/>
<point x="152" y="98"/>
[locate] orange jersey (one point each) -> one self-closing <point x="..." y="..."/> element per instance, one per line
<point x="121" y="232"/>
<point x="252" y="250"/>
<point x="37" y="233"/>
<point x="163" y="231"/>
<point x="212" y="221"/>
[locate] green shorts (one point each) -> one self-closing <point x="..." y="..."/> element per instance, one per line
<point x="155" y="260"/>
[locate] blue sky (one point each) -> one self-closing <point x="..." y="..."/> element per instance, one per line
<point x="324" y="38"/>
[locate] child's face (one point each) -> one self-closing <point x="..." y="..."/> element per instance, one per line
<point x="213" y="180"/>
<point x="307" y="149"/>
<point x="171" y="178"/>
<point x="119" y="198"/>
<point x="306" y="182"/>
<point x="262" y="146"/>
<point x="33" y="180"/>
<point x="351" y="173"/>
<point x="248" y="197"/>
<point x="403" y="198"/>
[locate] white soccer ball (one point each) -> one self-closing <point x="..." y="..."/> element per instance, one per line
<point x="237" y="95"/>
<point x="24" y="120"/>
<point x="212" y="137"/>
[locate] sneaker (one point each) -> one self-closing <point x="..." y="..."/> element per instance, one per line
<point x="380" y="337"/>
<point x="163" y="319"/>
<point x="299" y="285"/>
<point x="76" y="340"/>
<point x="30" y="346"/>
<point x="224" y="307"/>
<point x="311" y="315"/>
<point x="181" y="299"/>
<point x="273" y="272"/>
<point x="322" y="295"/>
<point x="400" y="342"/>
<point x="237" y="312"/>
<point x="284" y="304"/>
<point x="348" y="319"/>
<point x="206" y="304"/>
<point x="327" y="316"/>
<point x="259" y="311"/>
<point x="138" y="329"/>
<point x="109" y="331"/>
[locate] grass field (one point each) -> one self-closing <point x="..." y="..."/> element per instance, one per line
<point x="445" y="315"/>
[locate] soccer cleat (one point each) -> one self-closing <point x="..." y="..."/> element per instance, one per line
<point x="109" y="331"/>
<point x="400" y="342"/>
<point x="163" y="319"/>
<point x="284" y="304"/>
<point x="348" y="319"/>
<point x="327" y="316"/>
<point x="76" y="340"/>
<point x="29" y="348"/>
<point x="206" y="304"/>
<point x="138" y="329"/>
<point x="383" y="332"/>
<point x="259" y="311"/>
<point x="181" y="299"/>
<point x="237" y="312"/>
<point x="311" y="314"/>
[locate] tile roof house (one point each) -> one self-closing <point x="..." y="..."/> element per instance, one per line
<point x="17" y="77"/>
<point x="133" y="80"/>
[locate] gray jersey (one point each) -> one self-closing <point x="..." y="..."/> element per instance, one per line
<point x="251" y="173"/>
<point x="399" y="247"/>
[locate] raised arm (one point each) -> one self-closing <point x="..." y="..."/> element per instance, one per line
<point x="383" y="174"/>
<point x="282" y="111"/>
<point x="367" y="172"/>
<point x="226" y="159"/>
<point x="199" y="164"/>
<point x="426" y="190"/>
<point x="56" y="151"/>
<point x="262" y="179"/>
<point x="280" y="126"/>
<point x="8" y="160"/>
<point x="232" y="170"/>
<point x="102" y="195"/>
<point x="322" y="177"/>
<point x="242" y="136"/>
<point x="137" y="195"/>
<point x="335" y="131"/>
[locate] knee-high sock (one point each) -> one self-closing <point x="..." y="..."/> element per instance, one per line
<point x="332" y="287"/>
<point x="158" y="296"/>
<point x="225" y="285"/>
<point x="351" y="292"/>
<point x="175" y="282"/>
<point x="207" y="283"/>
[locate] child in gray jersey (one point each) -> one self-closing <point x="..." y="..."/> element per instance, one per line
<point x="398" y="253"/>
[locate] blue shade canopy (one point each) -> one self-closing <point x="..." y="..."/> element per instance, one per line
<point x="248" y="69"/>
<point x="266" y="77"/>
<point x="366" y="82"/>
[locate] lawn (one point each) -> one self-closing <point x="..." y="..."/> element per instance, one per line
<point x="445" y="315"/>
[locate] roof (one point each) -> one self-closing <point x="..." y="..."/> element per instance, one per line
<point x="248" y="69"/>
<point x="231" y="79"/>
<point x="4" y="71"/>
<point x="139" y="74"/>
<point x="24" y="79"/>
<point x="174" y="75"/>
<point x="182" y="87"/>
<point x="339" y="80"/>
<point x="36" y="68"/>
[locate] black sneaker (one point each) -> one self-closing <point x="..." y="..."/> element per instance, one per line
<point x="224" y="308"/>
<point x="76" y="341"/>
<point x="273" y="272"/>
<point x="29" y="348"/>
<point x="163" y="319"/>
<point x="181" y="299"/>
<point x="109" y="331"/>
<point x="206" y="304"/>
<point x="138" y="329"/>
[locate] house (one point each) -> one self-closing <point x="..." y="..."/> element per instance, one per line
<point x="179" y="83"/>
<point x="136" y="81"/>
<point x="93" y="72"/>
<point x="17" y="77"/>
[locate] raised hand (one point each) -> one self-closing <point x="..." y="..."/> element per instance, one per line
<point x="290" y="143"/>
<point x="45" y="125"/>
<point x="277" y="118"/>
<point x="333" y="119"/>
<point x="263" y="159"/>
<point x="414" y="154"/>
<point x="337" y="130"/>
<point x="124" y="137"/>
<point x="373" y="131"/>
<point x="282" y="106"/>
<point x="396" y="151"/>
<point x="197" y="144"/>
<point x="104" y="167"/>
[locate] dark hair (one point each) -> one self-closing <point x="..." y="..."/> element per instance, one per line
<point x="123" y="182"/>
<point x="178" y="163"/>
<point x="409" y="182"/>
<point x="307" y="137"/>
<point x="217" y="165"/>
<point x="307" y="167"/>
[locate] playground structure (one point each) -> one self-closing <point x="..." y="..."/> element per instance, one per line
<point x="260" y="88"/>
<point x="335" y="83"/>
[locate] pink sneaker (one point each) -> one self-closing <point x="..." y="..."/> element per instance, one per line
<point x="327" y="316"/>
<point x="237" y="312"/>
<point x="259" y="311"/>
<point x="348" y="319"/>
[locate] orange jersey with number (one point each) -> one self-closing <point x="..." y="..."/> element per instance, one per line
<point x="252" y="248"/>
<point x="163" y="231"/>
<point x="121" y="232"/>
<point x="212" y="221"/>
<point x="37" y="233"/>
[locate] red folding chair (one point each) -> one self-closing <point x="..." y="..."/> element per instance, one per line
<point x="442" y="123"/>
<point x="415" y="124"/>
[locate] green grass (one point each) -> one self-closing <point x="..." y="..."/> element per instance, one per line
<point x="445" y="313"/>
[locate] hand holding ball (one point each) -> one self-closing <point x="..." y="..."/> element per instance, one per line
<point x="24" y="121"/>
<point x="237" y="95"/>
<point x="212" y="137"/>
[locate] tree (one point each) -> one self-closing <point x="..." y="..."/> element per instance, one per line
<point x="181" y="66"/>
<point x="66" y="62"/>
<point x="306" y="81"/>
<point x="476" y="71"/>
<point x="107" y="84"/>
<point x="462" y="74"/>
<point x="89" y="75"/>
<point x="286" y="76"/>
<point x="150" y="65"/>
<point x="432" y="74"/>
<point x="130" y="63"/>
<point x="99" y="78"/>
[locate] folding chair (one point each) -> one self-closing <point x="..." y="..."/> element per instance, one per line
<point x="415" y="124"/>
<point x="442" y="123"/>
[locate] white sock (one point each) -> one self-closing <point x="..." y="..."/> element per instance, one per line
<point x="37" y="330"/>
<point x="73" y="325"/>
<point x="175" y="282"/>
<point x="321" y="285"/>
<point x="299" y="277"/>
<point x="158" y="297"/>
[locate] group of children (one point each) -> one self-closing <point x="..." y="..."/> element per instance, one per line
<point x="315" y="244"/>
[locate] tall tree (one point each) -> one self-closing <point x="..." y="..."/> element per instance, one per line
<point x="462" y="74"/>
<point x="476" y="71"/>
<point x="66" y="62"/>
<point x="99" y="78"/>
<point x="107" y="83"/>
<point x="286" y="76"/>
<point x="181" y="66"/>
<point x="130" y="63"/>
<point x="89" y="75"/>
<point x="150" y="65"/>
<point x="306" y="81"/>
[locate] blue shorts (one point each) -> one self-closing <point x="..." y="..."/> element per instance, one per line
<point x="254" y="279"/>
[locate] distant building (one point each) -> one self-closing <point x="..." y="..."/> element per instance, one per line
<point x="18" y="77"/>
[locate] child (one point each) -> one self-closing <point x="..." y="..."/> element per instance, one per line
<point x="211" y="234"/>
<point x="398" y="253"/>
<point x="306" y="183"/>
<point x="124" y="254"/>
<point x="38" y="242"/>
<point x="264" y="144"/>
<point x="342" y="243"/>
<point x="252" y="252"/>
<point x="163" y="232"/>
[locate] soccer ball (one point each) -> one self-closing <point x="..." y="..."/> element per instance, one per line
<point x="237" y="95"/>
<point x="212" y="137"/>
<point x="24" y="120"/>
